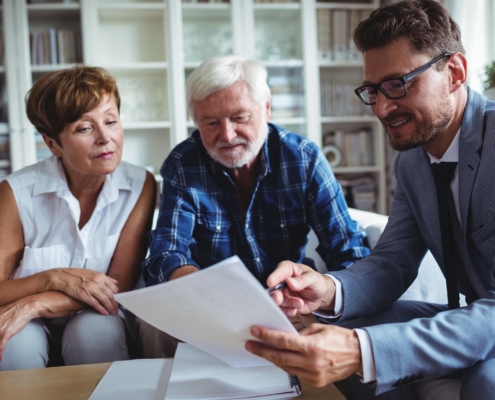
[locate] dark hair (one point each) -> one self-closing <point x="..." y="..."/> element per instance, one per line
<point x="62" y="97"/>
<point x="426" y="23"/>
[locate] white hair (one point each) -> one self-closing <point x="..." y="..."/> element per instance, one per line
<point x="221" y="72"/>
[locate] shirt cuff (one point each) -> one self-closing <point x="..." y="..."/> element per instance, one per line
<point x="367" y="359"/>
<point x="338" y="307"/>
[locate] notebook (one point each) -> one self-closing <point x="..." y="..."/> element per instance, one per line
<point x="199" y="375"/>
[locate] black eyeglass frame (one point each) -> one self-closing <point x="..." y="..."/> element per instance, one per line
<point x="403" y="80"/>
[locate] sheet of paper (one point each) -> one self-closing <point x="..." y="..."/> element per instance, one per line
<point x="212" y="309"/>
<point x="134" y="379"/>
<point x="198" y="375"/>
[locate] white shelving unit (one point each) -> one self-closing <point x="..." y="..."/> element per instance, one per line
<point x="151" y="47"/>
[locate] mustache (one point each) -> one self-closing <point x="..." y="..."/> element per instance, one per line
<point x="233" y="142"/>
<point x="393" y="117"/>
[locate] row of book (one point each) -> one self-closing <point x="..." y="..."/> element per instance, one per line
<point x="340" y="99"/>
<point x="360" y="192"/>
<point x="349" y="149"/>
<point x="335" y="28"/>
<point x="55" y="46"/>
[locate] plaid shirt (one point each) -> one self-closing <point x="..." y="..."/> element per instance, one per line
<point x="203" y="219"/>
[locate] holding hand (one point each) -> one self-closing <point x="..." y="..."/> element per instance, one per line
<point x="307" y="290"/>
<point x="320" y="354"/>
<point x="91" y="287"/>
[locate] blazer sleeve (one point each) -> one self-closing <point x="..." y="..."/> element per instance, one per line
<point x="375" y="282"/>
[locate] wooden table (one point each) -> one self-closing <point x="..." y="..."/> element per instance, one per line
<point x="78" y="382"/>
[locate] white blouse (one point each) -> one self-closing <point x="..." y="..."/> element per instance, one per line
<point x="50" y="216"/>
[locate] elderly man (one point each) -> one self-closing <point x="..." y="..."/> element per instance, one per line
<point x="242" y="186"/>
<point x="414" y="80"/>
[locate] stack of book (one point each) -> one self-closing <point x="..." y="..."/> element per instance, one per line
<point x="287" y="96"/>
<point x="360" y="192"/>
<point x="335" y="29"/>
<point x="55" y="46"/>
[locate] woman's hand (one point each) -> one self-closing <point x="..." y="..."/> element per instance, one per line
<point x="92" y="287"/>
<point x="13" y="318"/>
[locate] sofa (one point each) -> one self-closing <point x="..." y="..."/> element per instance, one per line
<point x="430" y="283"/>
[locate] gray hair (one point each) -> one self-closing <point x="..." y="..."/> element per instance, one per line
<point x="219" y="73"/>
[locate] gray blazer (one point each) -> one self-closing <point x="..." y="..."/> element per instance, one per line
<point x="431" y="347"/>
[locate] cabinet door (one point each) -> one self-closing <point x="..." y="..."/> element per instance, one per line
<point x="278" y="44"/>
<point x="54" y="42"/>
<point x="352" y="137"/>
<point x="128" y="38"/>
<point x="207" y="31"/>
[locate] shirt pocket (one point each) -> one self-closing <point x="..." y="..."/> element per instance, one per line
<point x="39" y="260"/>
<point x="100" y="251"/>
<point x="213" y="239"/>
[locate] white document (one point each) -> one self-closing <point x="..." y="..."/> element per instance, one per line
<point x="199" y="375"/>
<point x="212" y="309"/>
<point x="134" y="379"/>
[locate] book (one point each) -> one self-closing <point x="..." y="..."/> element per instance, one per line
<point x="198" y="375"/>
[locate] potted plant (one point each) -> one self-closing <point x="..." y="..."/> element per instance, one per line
<point x="490" y="81"/>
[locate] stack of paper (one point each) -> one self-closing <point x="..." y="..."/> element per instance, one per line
<point x="199" y="375"/>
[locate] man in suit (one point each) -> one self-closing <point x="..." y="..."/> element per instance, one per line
<point x="414" y="80"/>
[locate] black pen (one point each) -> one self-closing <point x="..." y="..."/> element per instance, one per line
<point x="280" y="286"/>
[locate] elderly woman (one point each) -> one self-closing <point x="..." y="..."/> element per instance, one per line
<point x="72" y="228"/>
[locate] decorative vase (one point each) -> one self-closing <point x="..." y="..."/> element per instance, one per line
<point x="489" y="93"/>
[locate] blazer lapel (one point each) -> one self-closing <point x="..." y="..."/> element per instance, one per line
<point x="426" y="191"/>
<point x="471" y="139"/>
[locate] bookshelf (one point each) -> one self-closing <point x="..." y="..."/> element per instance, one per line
<point x="151" y="46"/>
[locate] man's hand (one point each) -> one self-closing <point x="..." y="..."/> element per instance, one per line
<point x="307" y="290"/>
<point x="13" y="318"/>
<point x="320" y="354"/>
<point x="91" y="287"/>
<point x="301" y="321"/>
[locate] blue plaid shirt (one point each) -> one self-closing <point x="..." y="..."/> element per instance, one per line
<point x="203" y="219"/>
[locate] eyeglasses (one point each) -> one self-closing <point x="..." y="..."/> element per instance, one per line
<point x="393" y="88"/>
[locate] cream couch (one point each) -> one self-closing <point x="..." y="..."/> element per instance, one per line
<point x="430" y="283"/>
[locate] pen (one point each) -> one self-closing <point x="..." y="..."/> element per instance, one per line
<point x="280" y="286"/>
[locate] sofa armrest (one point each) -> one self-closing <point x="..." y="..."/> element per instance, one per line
<point x="429" y="285"/>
